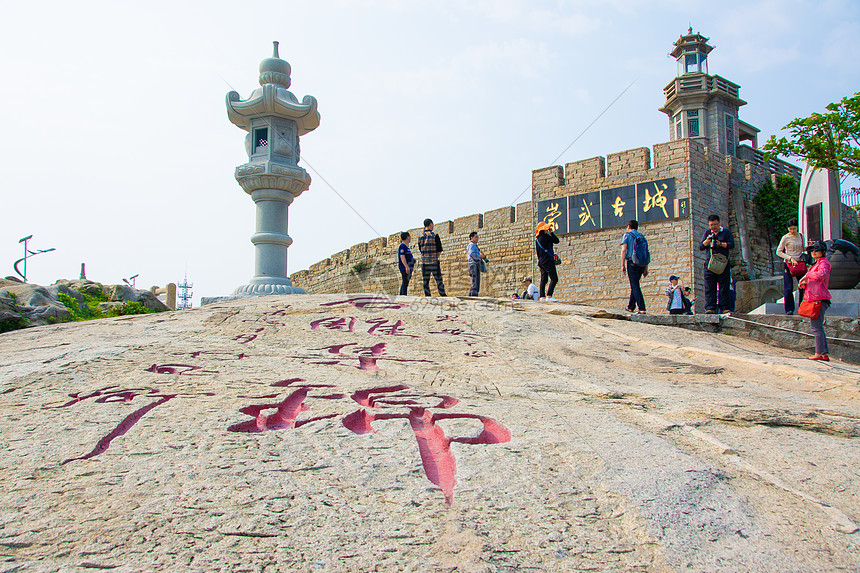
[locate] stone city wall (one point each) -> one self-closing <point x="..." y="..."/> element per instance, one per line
<point x="591" y="269"/>
<point x="504" y="236"/>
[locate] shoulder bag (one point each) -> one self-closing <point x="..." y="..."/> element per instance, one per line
<point x="717" y="263"/>
<point x="810" y="309"/>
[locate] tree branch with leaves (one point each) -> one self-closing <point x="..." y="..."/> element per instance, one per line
<point x="829" y="140"/>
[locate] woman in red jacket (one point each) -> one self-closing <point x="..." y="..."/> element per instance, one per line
<point x="815" y="282"/>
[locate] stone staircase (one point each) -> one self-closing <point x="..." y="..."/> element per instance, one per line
<point x="844" y="303"/>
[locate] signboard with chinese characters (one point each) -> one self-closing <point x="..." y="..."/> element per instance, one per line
<point x="583" y="212"/>
<point x="655" y="200"/>
<point x="645" y="202"/>
<point x="618" y="206"/>
<point x="554" y="212"/>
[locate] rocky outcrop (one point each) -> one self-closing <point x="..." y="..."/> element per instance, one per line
<point x="33" y="305"/>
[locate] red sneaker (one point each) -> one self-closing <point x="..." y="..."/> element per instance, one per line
<point x="823" y="358"/>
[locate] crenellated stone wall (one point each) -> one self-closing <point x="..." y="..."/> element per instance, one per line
<point x="591" y="269"/>
<point x="503" y="236"/>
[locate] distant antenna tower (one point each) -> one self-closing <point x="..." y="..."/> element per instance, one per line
<point x="185" y="294"/>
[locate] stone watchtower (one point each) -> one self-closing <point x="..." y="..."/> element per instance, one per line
<point x="274" y="120"/>
<point x="701" y="106"/>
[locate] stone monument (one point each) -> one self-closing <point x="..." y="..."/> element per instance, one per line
<point x="274" y="120"/>
<point x="820" y="204"/>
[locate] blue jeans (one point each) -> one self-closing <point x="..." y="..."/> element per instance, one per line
<point x="634" y="274"/>
<point x="817" y="327"/>
<point x="788" y="290"/>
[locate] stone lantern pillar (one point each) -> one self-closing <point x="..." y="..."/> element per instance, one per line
<point x="274" y="120"/>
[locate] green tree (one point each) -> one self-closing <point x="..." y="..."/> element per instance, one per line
<point x="829" y="140"/>
<point x="777" y="205"/>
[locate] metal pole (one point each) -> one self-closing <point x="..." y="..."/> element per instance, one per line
<point x="26" y="241"/>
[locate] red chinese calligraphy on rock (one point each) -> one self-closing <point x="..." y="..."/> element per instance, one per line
<point x="346" y="323"/>
<point x="368" y="302"/>
<point x="112" y="394"/>
<point x="286" y="412"/>
<point x="215" y="354"/>
<point x="382" y="326"/>
<point x="181" y="369"/>
<point x="438" y="461"/>
<point x="367" y="356"/>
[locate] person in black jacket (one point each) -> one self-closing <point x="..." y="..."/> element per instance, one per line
<point x="717" y="239"/>
<point x="546" y="260"/>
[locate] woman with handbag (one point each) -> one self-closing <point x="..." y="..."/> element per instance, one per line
<point x="547" y="259"/>
<point x="790" y="249"/>
<point x="817" y="299"/>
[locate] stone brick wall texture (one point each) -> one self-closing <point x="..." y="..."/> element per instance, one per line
<point x="591" y="269"/>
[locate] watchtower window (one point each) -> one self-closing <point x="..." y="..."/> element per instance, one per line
<point x="261" y="139"/>
<point x="730" y="135"/>
<point x="678" y="128"/>
<point x="690" y="60"/>
<point x="693" y="123"/>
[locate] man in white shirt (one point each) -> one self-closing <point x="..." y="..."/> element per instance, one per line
<point x="532" y="292"/>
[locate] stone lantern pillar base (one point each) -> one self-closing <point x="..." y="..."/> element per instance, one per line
<point x="265" y="289"/>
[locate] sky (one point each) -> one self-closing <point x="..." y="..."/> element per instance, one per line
<point x="116" y="149"/>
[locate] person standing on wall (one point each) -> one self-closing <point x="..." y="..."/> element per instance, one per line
<point x="474" y="257"/>
<point x="718" y="274"/>
<point x="430" y="246"/>
<point x="635" y="258"/>
<point x="790" y="249"/>
<point x="817" y="301"/>
<point x="546" y="260"/>
<point x="405" y="261"/>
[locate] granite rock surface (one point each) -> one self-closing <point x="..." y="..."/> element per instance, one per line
<point x="368" y="433"/>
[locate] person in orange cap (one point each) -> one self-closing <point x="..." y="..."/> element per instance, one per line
<point x="547" y="259"/>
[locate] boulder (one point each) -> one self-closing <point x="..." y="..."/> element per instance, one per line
<point x="124" y="293"/>
<point x="45" y="314"/>
<point x="57" y="288"/>
<point x="41" y="305"/>
<point x="31" y="295"/>
<point x="150" y="301"/>
<point x="121" y="293"/>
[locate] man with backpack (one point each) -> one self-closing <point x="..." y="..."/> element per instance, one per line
<point x="635" y="258"/>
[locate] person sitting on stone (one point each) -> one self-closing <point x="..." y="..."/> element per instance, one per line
<point x="531" y="292"/>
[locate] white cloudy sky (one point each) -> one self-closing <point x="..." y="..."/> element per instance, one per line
<point x="116" y="148"/>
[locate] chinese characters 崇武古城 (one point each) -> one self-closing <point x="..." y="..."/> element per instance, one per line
<point x="552" y="213"/>
<point x="585" y="213"/>
<point x="618" y="206"/>
<point x="655" y="201"/>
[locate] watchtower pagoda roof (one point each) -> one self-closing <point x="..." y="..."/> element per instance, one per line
<point x="691" y="42"/>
